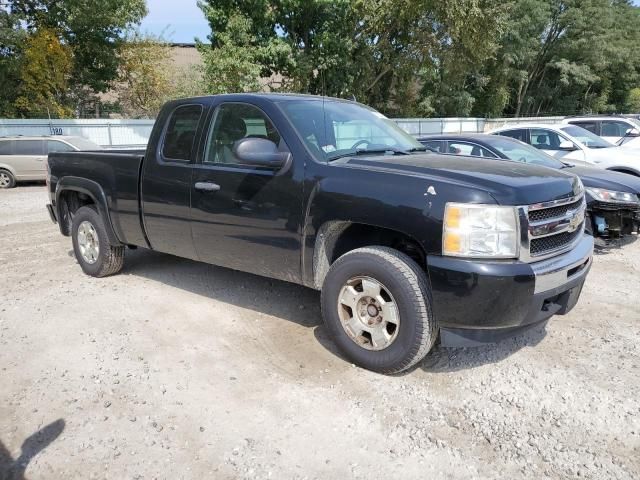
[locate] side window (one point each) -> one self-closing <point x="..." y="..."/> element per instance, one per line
<point x="233" y="122"/>
<point x="6" y="147"/>
<point x="518" y="134"/>
<point x="435" y="145"/>
<point x="614" y="128"/>
<point x="181" y="133"/>
<point x="29" y="147"/>
<point x="591" y="126"/>
<point x="58" y="146"/>
<point x="469" y="149"/>
<point x="545" y="139"/>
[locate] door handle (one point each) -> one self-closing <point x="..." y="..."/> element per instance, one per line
<point x="207" y="186"/>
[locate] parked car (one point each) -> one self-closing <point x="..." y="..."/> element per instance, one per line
<point x="24" y="158"/>
<point x="619" y="130"/>
<point x="613" y="198"/>
<point x="575" y="145"/>
<point x="332" y="195"/>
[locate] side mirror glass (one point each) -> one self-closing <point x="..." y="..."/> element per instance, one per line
<point x="633" y="132"/>
<point x="567" y="145"/>
<point x="260" y="152"/>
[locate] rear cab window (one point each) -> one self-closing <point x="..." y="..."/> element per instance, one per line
<point x="180" y="134"/>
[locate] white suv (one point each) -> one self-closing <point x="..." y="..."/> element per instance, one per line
<point x="575" y="145"/>
<point x="623" y="131"/>
<point x="24" y="158"/>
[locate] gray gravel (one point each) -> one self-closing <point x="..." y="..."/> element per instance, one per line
<point x="175" y="369"/>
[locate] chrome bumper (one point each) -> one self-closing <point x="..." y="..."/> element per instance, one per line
<point x="557" y="271"/>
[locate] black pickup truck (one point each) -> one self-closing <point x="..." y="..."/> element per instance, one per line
<point x="406" y="246"/>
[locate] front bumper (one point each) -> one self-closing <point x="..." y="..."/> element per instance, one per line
<point x="478" y="302"/>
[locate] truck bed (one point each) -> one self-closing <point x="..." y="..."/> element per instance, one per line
<point x="117" y="174"/>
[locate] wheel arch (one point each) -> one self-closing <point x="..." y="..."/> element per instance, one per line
<point x="75" y="192"/>
<point x="628" y="170"/>
<point x="335" y="238"/>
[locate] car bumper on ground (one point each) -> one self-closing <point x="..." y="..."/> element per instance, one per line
<point x="52" y="213"/>
<point x="480" y="302"/>
<point x="613" y="220"/>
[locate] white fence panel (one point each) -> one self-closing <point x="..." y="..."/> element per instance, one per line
<point x="108" y="133"/>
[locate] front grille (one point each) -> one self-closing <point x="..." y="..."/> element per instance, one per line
<point x="553" y="212"/>
<point x="540" y="246"/>
<point x="554" y="227"/>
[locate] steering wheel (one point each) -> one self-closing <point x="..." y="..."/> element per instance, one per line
<point x="360" y="142"/>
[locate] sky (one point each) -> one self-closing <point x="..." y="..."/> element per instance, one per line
<point x="178" y="21"/>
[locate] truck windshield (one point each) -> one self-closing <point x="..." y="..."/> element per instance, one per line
<point x="332" y="129"/>
<point x="588" y="139"/>
<point x="521" y="152"/>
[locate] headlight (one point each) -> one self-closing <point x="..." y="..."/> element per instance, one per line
<point x="612" y="196"/>
<point x="480" y="231"/>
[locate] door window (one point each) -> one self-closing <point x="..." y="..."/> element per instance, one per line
<point x="518" y="134"/>
<point x="233" y="122"/>
<point x="469" y="149"/>
<point x="29" y="147"/>
<point x="614" y="128"/>
<point x="435" y="145"/>
<point x="6" y="147"/>
<point x="181" y="133"/>
<point x="545" y="139"/>
<point x="591" y="126"/>
<point x="58" y="146"/>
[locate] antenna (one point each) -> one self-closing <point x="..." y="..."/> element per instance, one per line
<point x="324" y="112"/>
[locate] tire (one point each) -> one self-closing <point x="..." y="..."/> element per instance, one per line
<point x="102" y="261"/>
<point x="7" y="180"/>
<point x="403" y="284"/>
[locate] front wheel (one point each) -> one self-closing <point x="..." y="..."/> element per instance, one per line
<point x="377" y="307"/>
<point x="91" y="246"/>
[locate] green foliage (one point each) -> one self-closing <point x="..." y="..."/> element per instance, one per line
<point x="633" y="100"/>
<point x="143" y="82"/>
<point x="11" y="41"/>
<point x="91" y="32"/>
<point x="44" y="76"/>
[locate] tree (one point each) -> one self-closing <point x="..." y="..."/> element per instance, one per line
<point x="94" y="32"/>
<point x="143" y="82"/>
<point x="44" y="76"/>
<point x="11" y="40"/>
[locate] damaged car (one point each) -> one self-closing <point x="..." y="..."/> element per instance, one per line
<point x="613" y="198"/>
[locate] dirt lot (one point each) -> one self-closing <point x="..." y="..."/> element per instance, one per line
<point x="175" y="369"/>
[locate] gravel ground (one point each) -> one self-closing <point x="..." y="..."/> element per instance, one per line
<point x="175" y="369"/>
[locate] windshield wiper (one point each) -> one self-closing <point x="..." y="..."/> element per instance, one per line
<point x="356" y="153"/>
<point x="567" y="165"/>
<point x="419" y="149"/>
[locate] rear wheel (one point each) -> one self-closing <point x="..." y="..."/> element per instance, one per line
<point x="377" y="307"/>
<point x="91" y="246"/>
<point x="7" y="180"/>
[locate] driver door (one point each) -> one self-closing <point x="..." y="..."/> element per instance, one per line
<point x="245" y="217"/>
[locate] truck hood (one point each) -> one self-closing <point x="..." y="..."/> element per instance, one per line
<point x="509" y="183"/>
<point x="598" y="178"/>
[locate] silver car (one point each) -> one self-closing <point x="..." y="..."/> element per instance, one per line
<point x="25" y="158"/>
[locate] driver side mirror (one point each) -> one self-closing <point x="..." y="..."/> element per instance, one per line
<point x="632" y="132"/>
<point x="567" y="146"/>
<point x="260" y="152"/>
